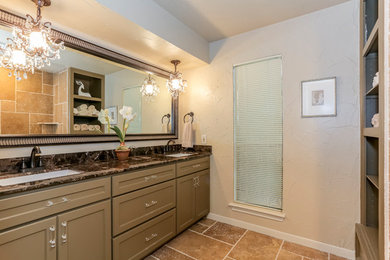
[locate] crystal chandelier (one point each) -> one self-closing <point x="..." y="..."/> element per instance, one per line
<point x="176" y="83"/>
<point x="36" y="40"/>
<point x="149" y="88"/>
<point x="15" y="59"/>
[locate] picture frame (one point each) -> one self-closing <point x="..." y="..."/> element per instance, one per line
<point x="113" y="112"/>
<point x="318" y="98"/>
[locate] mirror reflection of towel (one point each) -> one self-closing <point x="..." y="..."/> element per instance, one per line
<point x="186" y="141"/>
<point x="164" y="128"/>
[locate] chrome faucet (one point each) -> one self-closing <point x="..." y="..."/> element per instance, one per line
<point x="35" y="153"/>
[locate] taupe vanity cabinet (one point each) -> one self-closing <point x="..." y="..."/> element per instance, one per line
<point x="193" y="192"/>
<point x="85" y="233"/>
<point x="82" y="233"/>
<point x="143" y="196"/>
<point x="124" y="216"/>
<point x="32" y="241"/>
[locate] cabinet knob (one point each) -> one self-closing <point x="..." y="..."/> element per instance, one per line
<point x="49" y="203"/>
<point x="196" y="165"/>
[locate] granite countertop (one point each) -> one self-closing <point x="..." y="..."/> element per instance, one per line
<point x="94" y="169"/>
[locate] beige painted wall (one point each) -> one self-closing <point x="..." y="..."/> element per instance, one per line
<point x="152" y="110"/>
<point x="321" y="155"/>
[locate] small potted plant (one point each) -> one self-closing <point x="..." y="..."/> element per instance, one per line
<point x="122" y="152"/>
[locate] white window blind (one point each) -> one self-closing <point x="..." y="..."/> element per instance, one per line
<point x="258" y="133"/>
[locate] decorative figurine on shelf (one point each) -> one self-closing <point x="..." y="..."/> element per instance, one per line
<point x="375" y="81"/>
<point x="81" y="89"/>
<point x="122" y="152"/>
<point x="375" y="120"/>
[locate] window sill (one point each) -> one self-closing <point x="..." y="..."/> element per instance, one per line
<point x="258" y="211"/>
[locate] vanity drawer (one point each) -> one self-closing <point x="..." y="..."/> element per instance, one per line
<point x="132" y="181"/>
<point x="24" y="208"/>
<point x="144" y="239"/>
<point x="192" y="166"/>
<point x="137" y="207"/>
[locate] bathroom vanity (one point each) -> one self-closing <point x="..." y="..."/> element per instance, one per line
<point x="111" y="211"/>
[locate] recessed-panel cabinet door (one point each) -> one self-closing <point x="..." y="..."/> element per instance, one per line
<point x="36" y="241"/>
<point x="85" y="233"/>
<point x="202" y="193"/>
<point x="185" y="204"/>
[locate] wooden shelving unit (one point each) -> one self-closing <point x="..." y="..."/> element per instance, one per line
<point x="94" y="84"/>
<point x="370" y="232"/>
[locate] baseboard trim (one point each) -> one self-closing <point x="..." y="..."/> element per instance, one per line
<point x="350" y="254"/>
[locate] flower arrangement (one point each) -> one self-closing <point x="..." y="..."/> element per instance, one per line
<point x="128" y="116"/>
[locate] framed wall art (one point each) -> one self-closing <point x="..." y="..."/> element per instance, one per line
<point x="319" y="98"/>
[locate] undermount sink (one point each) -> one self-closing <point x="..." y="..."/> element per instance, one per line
<point x="178" y="155"/>
<point x="36" y="177"/>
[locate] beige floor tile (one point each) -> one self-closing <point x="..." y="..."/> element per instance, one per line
<point x="198" y="228"/>
<point x="166" y="253"/>
<point x="335" y="257"/>
<point x="286" y="255"/>
<point x="207" y="222"/>
<point x="305" y="251"/>
<point x="225" y="232"/>
<point x="199" y="246"/>
<point x="256" y="246"/>
<point x="150" y="258"/>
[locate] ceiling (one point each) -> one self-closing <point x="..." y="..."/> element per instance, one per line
<point x="157" y="31"/>
<point x="218" y="19"/>
<point x="89" y="20"/>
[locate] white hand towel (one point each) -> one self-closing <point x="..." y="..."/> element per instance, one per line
<point x="165" y="128"/>
<point x="187" y="135"/>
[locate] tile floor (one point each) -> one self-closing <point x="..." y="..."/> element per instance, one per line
<point x="211" y="240"/>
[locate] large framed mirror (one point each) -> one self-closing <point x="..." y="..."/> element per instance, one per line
<point x="60" y="104"/>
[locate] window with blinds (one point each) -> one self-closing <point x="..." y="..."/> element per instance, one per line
<point x="258" y="132"/>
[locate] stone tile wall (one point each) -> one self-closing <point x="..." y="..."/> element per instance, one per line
<point x="26" y="104"/>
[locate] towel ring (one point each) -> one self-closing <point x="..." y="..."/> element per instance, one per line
<point x="191" y="114"/>
<point x="166" y="116"/>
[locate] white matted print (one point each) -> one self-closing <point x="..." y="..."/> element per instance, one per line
<point x="113" y="113"/>
<point x="319" y="97"/>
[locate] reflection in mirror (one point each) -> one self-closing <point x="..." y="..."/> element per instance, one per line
<point x="66" y="97"/>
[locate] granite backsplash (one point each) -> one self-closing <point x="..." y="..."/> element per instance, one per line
<point x="55" y="161"/>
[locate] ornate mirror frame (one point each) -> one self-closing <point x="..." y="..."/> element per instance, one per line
<point x="9" y="20"/>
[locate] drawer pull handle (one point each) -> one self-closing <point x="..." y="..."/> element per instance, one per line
<point x="196" y="165"/>
<point x="152" y="203"/>
<point x="148" y="178"/>
<point x="51" y="203"/>
<point x="196" y="182"/>
<point x="52" y="241"/>
<point x="152" y="236"/>
<point x="64" y="235"/>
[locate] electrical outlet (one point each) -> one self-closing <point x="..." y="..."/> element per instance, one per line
<point x="204" y="139"/>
